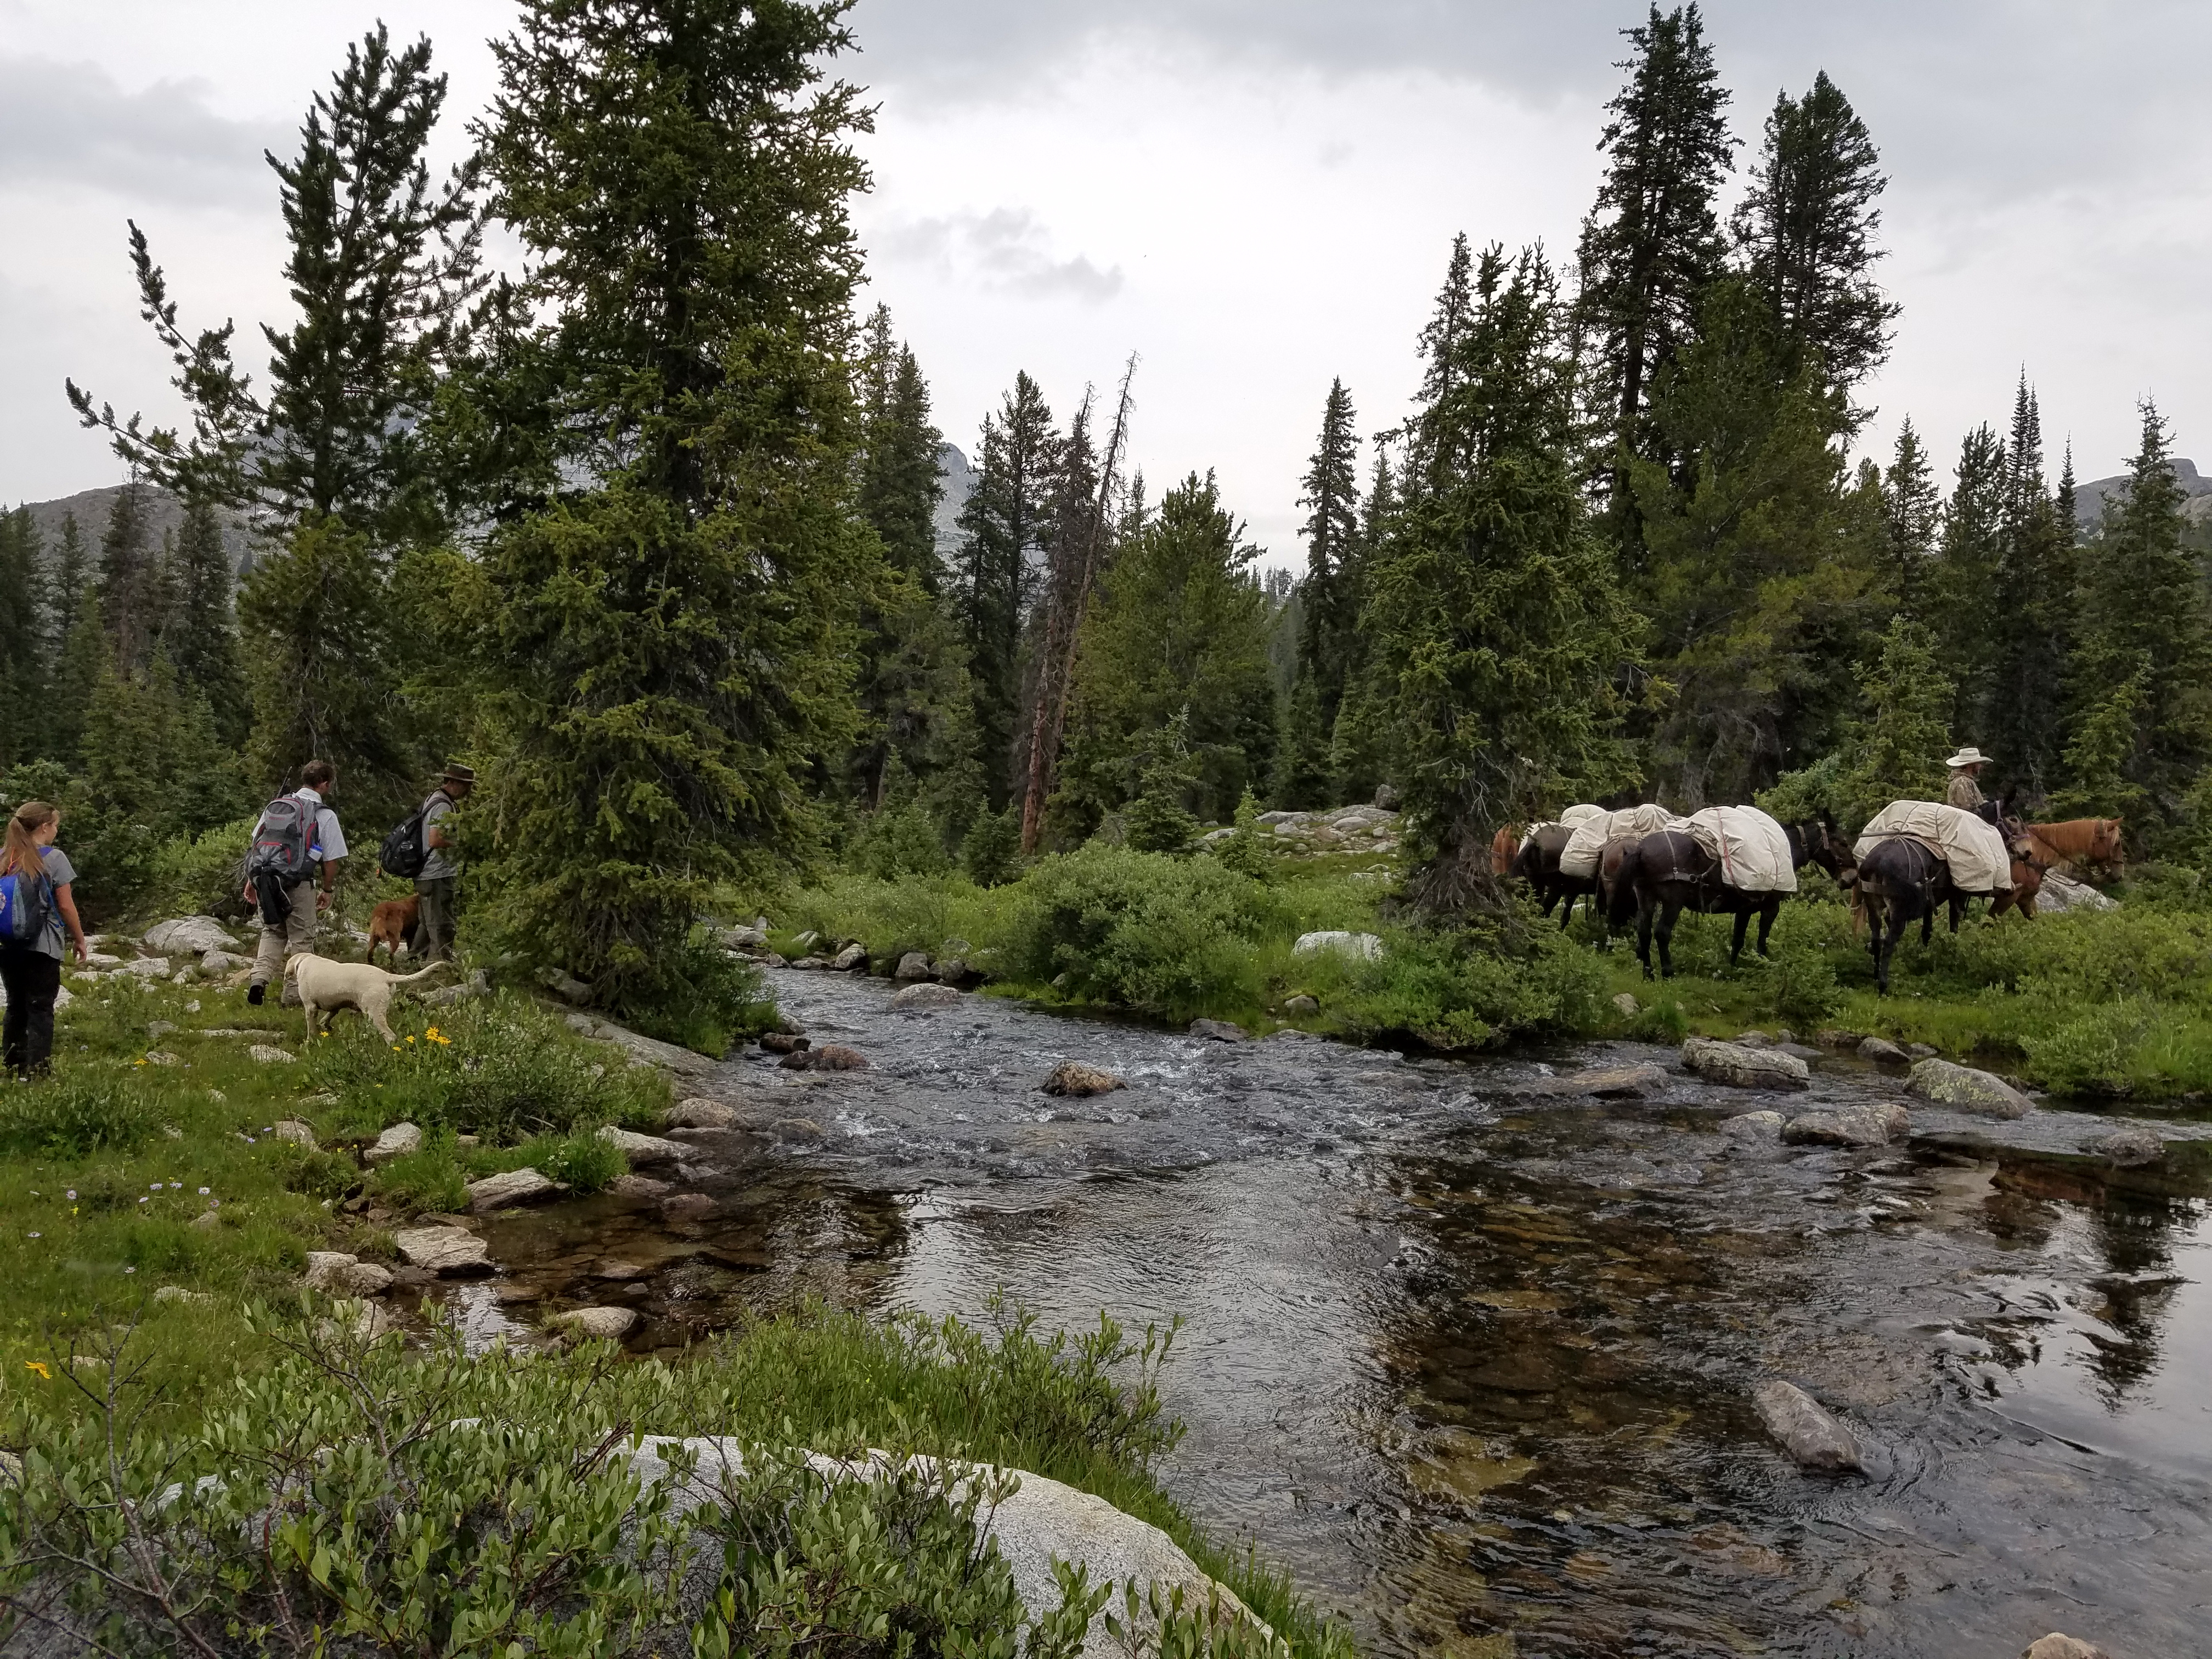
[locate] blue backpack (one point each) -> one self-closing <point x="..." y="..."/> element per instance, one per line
<point x="27" y="906"/>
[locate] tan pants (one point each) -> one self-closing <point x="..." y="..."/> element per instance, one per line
<point x="296" y="935"/>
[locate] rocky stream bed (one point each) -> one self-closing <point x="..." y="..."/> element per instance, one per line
<point x="1474" y="1358"/>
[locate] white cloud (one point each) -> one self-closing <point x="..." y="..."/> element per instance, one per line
<point x="1006" y="248"/>
<point x="64" y="127"/>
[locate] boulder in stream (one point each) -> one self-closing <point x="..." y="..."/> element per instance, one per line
<point x="1603" y="1083"/>
<point x="498" y="1192"/>
<point x="1805" y="1429"/>
<point x="1740" y="1067"/>
<point x="852" y="956"/>
<point x="336" y="1274"/>
<point x="1219" y="1030"/>
<point x="914" y="964"/>
<point x="644" y="1149"/>
<point x="1881" y="1049"/>
<point x="2129" y="1146"/>
<point x="699" y="1113"/>
<point x="1963" y="1089"/>
<point x="783" y="1042"/>
<point x="611" y="1323"/>
<point x="446" y="1251"/>
<point x="2058" y="1644"/>
<point x="830" y="1057"/>
<point x="1068" y="1077"/>
<point x="1870" y="1125"/>
<point x="925" y="995"/>
<point x="1753" y="1128"/>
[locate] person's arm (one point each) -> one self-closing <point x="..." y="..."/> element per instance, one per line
<point x="66" y="904"/>
<point x="325" y="873"/>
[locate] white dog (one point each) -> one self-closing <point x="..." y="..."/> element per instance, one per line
<point x="326" y="986"/>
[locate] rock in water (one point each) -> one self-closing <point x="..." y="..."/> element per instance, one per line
<point x="926" y="995"/>
<point x="1807" y="1433"/>
<point x="1744" y="1068"/>
<point x="336" y="1274"/>
<point x="583" y="1322"/>
<point x="1854" y="1126"/>
<point x="701" y="1113"/>
<point x="914" y="964"/>
<point x="852" y="956"/>
<point x="1365" y="945"/>
<point x="782" y="1042"/>
<point x="1754" y="1128"/>
<point x="1605" y="1083"/>
<point x="514" y="1187"/>
<point x="1881" y="1049"/>
<point x="2130" y="1147"/>
<point x="637" y="1186"/>
<point x="684" y="1205"/>
<point x="1220" y="1030"/>
<point x="1069" y="1078"/>
<point x="644" y="1149"/>
<point x="1835" y="1039"/>
<point x="397" y="1141"/>
<point x="1963" y="1089"/>
<point x="2057" y="1644"/>
<point x="445" y="1250"/>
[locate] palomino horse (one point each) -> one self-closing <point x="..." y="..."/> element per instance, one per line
<point x="1901" y="882"/>
<point x="2080" y="844"/>
<point x="1667" y="872"/>
<point x="1505" y="848"/>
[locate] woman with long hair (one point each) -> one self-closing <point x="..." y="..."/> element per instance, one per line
<point x="34" y="904"/>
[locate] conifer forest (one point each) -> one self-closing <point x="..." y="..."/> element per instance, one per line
<point x="593" y="463"/>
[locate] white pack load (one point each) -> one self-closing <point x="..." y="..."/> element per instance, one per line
<point x="1976" y="852"/>
<point x="1570" y="819"/>
<point x="1753" y="849"/>
<point x="1586" y="845"/>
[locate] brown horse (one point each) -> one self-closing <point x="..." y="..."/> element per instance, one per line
<point x="2080" y="844"/>
<point x="1505" y="848"/>
<point x="2027" y="883"/>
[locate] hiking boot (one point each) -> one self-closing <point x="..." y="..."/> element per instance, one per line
<point x="253" y="994"/>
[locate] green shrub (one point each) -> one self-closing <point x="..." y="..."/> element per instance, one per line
<point x="1473" y="988"/>
<point x="74" y="1115"/>
<point x="1245" y="850"/>
<point x="2092" y="1053"/>
<point x="585" y="1163"/>
<point x="707" y="1000"/>
<point x="901" y="839"/>
<point x="992" y="853"/>
<point x="501" y="1067"/>
<point x="1172" y="936"/>
<point x="430" y="1179"/>
<point x="1664" y="1021"/>
<point x="199" y="875"/>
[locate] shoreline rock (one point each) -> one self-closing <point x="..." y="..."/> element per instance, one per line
<point x="1963" y="1089"/>
<point x="1743" y="1067"/>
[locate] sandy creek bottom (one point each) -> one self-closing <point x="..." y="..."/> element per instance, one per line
<point x="1475" y="1366"/>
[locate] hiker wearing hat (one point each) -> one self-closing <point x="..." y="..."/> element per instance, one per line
<point x="442" y="870"/>
<point x="1964" y="791"/>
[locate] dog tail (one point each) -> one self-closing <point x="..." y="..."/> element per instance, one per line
<point x="417" y="977"/>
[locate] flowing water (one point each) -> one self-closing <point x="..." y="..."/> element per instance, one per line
<point x="1475" y="1365"/>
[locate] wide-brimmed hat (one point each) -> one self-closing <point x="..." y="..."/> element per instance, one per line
<point x="1969" y="755"/>
<point x="457" y="773"/>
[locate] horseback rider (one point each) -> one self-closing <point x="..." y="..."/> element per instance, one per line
<point x="1965" y="789"/>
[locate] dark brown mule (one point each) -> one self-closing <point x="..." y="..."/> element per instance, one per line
<point x="1662" y="874"/>
<point x="1538" y="863"/>
<point x="1901" y="882"/>
<point x="2080" y="844"/>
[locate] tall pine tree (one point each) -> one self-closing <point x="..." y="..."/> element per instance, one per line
<point x="1964" y="588"/>
<point x="1327" y="618"/>
<point x="23" y="658"/>
<point x="2032" y="630"/>
<point x="901" y="484"/>
<point x="1805" y="230"/>
<point x="1495" y="615"/>
<point x="1652" y="243"/>
<point x="130" y="600"/>
<point x="202" y="639"/>
<point x="1912" y="510"/>
<point x="1004" y="526"/>
<point x="668" y="645"/>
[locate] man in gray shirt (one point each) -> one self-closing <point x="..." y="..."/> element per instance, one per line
<point x="308" y="896"/>
<point x="437" y="886"/>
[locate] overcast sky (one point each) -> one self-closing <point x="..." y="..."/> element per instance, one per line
<point x="1254" y="195"/>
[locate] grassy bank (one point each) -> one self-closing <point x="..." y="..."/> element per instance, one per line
<point x="154" y="1215"/>
<point x="2106" y="1005"/>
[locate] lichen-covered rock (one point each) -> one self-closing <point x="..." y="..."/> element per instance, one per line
<point x="2058" y="1644"/>
<point x="1603" y="1083"/>
<point x="611" y="1323"/>
<point x="294" y="1132"/>
<point x="1963" y="1089"/>
<point x="2129" y="1146"/>
<point x="830" y="1057"/>
<point x="1740" y="1067"/>
<point x="336" y="1274"/>
<point x="1366" y="946"/>
<point x="652" y="1050"/>
<point x="1626" y="1006"/>
<point x="268" y="1053"/>
<point x="195" y="935"/>
<point x="1218" y="1030"/>
<point x="852" y="956"/>
<point x="1870" y="1125"/>
<point x="1299" y="1007"/>
<point x="397" y="1141"/>
<point x="644" y="1149"/>
<point x="702" y="1114"/>
<point x="509" y="1187"/>
<point x="1753" y="1128"/>
<point x="1069" y="1078"/>
<point x="914" y="964"/>
<point x="926" y="995"/>
<point x="448" y="1251"/>
<point x="1807" y="1431"/>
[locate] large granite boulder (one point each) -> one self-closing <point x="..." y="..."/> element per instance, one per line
<point x="511" y="1187"/>
<point x="644" y="1149"/>
<point x="397" y="1141"/>
<point x="194" y="935"/>
<point x="1068" y="1077"/>
<point x="1366" y="946"/>
<point x="1963" y="1089"/>
<point x="1807" y="1431"/>
<point x="1740" y="1067"/>
<point x="447" y="1251"/>
<point x="1870" y="1125"/>
<point x="919" y="998"/>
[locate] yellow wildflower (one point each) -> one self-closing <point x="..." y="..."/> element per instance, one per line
<point x="39" y="1366"/>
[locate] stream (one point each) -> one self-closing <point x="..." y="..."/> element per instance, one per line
<point x="1475" y="1365"/>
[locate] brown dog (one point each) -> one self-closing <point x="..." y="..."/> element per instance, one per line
<point x="397" y="925"/>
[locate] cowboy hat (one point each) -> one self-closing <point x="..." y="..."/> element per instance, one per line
<point x="1969" y="755"/>
<point x="456" y="772"/>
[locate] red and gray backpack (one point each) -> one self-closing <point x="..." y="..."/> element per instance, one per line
<point x="284" y="844"/>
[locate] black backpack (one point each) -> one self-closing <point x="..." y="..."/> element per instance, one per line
<point x="284" y="841"/>
<point x="407" y="848"/>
